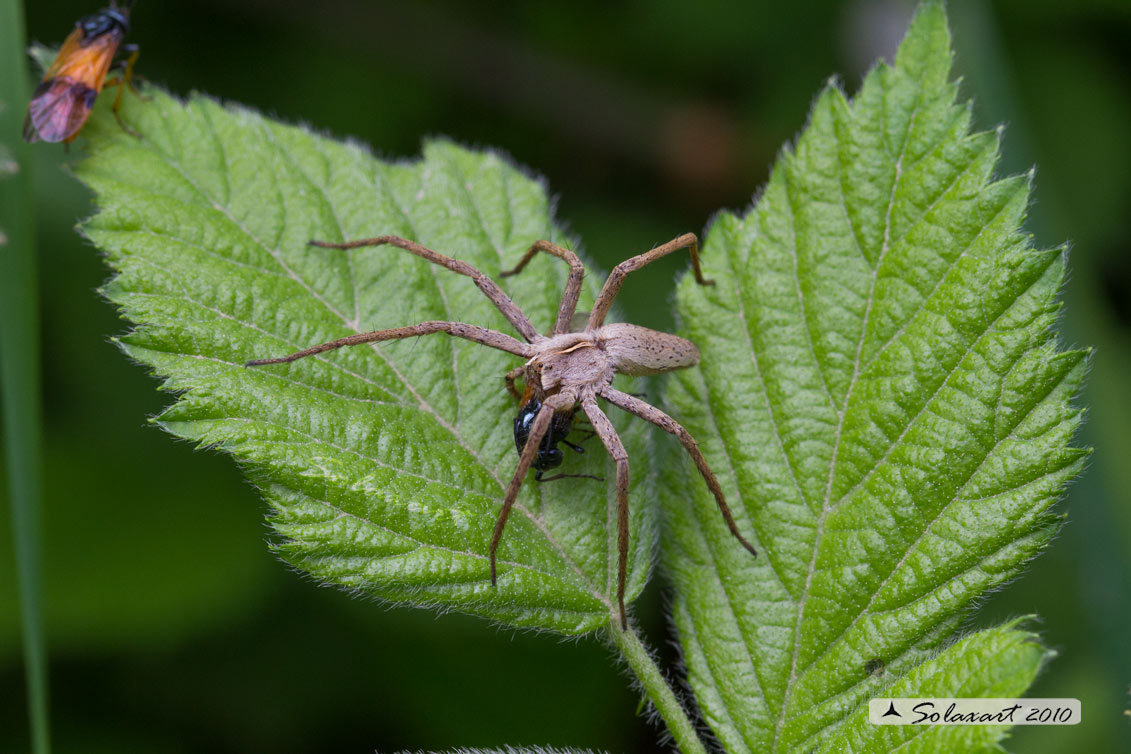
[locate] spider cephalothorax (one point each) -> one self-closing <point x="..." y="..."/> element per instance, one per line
<point x="571" y="367"/>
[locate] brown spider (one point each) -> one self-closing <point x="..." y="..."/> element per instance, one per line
<point x="567" y="368"/>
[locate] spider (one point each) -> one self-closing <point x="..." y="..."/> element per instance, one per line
<point x="572" y="366"/>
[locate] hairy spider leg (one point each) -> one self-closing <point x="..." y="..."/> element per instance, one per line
<point x="572" y="289"/>
<point x="510" y="378"/>
<point x="616" y="278"/>
<point x="538" y="430"/>
<point x="609" y="437"/>
<point x="501" y="301"/>
<point x="650" y="413"/>
<point x="458" y="329"/>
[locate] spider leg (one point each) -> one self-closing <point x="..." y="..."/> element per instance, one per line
<point x="538" y="430"/>
<point x="509" y="379"/>
<point x="501" y="301"/>
<point x="616" y="278"/>
<point x="573" y="285"/>
<point x="609" y="437"/>
<point x="458" y="329"/>
<point x="668" y="424"/>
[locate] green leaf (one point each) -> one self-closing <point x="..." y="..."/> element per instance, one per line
<point x="882" y="396"/>
<point x="385" y="466"/>
<point x="999" y="663"/>
<point x="518" y="750"/>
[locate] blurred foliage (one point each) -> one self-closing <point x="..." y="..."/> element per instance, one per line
<point x="645" y="117"/>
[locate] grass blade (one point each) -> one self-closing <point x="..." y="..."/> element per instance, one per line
<point x="19" y="363"/>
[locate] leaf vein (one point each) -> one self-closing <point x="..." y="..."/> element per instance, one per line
<point x="942" y="277"/>
<point x="958" y="497"/>
<point x="825" y="507"/>
<point x="421" y="544"/>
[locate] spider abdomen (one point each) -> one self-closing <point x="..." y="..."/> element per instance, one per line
<point x="636" y="350"/>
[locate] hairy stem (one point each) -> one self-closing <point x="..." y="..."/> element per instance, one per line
<point x="661" y="695"/>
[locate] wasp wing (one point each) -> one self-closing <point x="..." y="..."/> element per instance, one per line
<point x="58" y="110"/>
<point x="63" y="100"/>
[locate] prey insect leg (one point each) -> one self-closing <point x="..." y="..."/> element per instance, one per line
<point x="539" y="478"/>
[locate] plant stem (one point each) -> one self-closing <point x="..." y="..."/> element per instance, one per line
<point x="19" y="363"/>
<point x="661" y="695"/>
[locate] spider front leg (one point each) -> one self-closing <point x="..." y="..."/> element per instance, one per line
<point x="616" y="278"/>
<point x="510" y="377"/>
<point x="458" y="329"/>
<point x="538" y="430"/>
<point x="668" y="424"/>
<point x="573" y="286"/>
<point x="501" y="301"/>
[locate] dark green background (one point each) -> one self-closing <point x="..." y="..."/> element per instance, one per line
<point x="172" y="628"/>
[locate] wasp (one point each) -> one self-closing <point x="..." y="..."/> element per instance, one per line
<point x="63" y="101"/>
<point x="549" y="455"/>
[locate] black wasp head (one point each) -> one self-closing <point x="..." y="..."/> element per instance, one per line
<point x="106" y="20"/>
